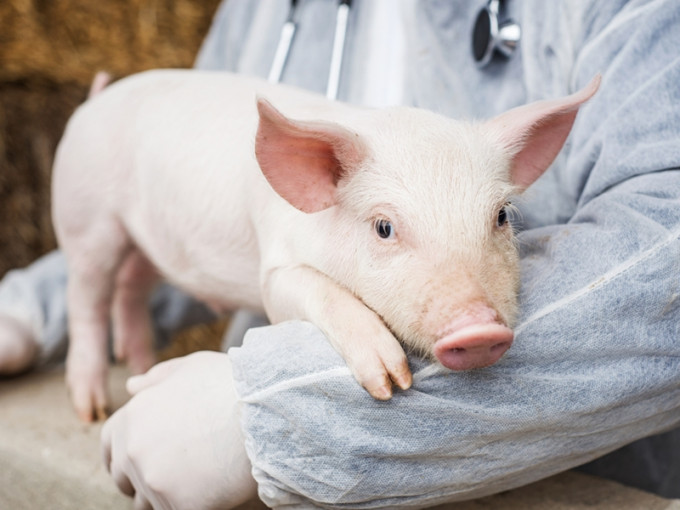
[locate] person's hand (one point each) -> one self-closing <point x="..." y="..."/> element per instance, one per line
<point x="18" y="348"/>
<point x="178" y="443"/>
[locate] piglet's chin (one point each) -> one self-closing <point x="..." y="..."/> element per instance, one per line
<point x="473" y="346"/>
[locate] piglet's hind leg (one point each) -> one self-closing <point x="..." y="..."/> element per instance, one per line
<point x="132" y="331"/>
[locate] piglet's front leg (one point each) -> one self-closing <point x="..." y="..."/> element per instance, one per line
<point x="374" y="356"/>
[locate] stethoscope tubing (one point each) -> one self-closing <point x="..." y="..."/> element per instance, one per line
<point x="337" y="55"/>
<point x="286" y="40"/>
<point x="283" y="48"/>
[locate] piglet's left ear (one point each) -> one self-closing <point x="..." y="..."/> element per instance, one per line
<point x="305" y="160"/>
<point x="534" y="134"/>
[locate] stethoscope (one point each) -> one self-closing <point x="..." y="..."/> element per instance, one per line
<point x="490" y="36"/>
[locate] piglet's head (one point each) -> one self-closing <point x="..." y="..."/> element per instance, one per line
<point x="432" y="252"/>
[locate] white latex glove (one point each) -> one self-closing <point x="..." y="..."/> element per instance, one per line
<point x="178" y="443"/>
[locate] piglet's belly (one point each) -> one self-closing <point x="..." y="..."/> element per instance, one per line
<point x="222" y="292"/>
<point x="220" y="273"/>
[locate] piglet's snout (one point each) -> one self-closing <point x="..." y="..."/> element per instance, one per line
<point x="473" y="343"/>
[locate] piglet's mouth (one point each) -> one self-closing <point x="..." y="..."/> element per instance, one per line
<point x="473" y="346"/>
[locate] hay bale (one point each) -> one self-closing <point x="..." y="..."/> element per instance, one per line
<point x="69" y="40"/>
<point x="32" y="116"/>
<point x="50" y="51"/>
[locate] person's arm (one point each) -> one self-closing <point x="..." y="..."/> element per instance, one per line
<point x="596" y="362"/>
<point x="33" y="315"/>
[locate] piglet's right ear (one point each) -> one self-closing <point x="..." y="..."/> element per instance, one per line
<point x="534" y="134"/>
<point x="303" y="160"/>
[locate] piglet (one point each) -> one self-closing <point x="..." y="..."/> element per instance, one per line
<point x="385" y="228"/>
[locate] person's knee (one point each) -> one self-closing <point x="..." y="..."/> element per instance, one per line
<point x="18" y="347"/>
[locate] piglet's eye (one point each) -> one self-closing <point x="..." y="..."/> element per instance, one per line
<point x="384" y="229"/>
<point x="502" y="217"/>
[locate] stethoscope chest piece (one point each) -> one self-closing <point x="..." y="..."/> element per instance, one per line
<point x="490" y="35"/>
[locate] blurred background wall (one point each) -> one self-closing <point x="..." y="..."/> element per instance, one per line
<point x="49" y="53"/>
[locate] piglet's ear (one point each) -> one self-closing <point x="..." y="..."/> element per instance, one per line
<point x="534" y="134"/>
<point x="304" y="161"/>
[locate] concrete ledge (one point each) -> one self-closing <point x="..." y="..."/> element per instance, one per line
<point x="48" y="459"/>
